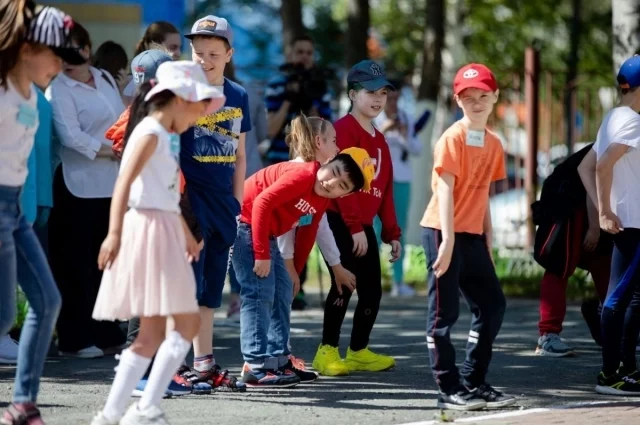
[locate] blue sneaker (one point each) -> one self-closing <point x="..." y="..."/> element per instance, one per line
<point x="263" y="378"/>
<point x="173" y="390"/>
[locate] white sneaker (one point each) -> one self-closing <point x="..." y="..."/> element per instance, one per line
<point x="8" y="350"/>
<point x="151" y="416"/>
<point x="551" y="345"/>
<point x="99" y="419"/>
<point x="92" y="352"/>
<point x="402" y="290"/>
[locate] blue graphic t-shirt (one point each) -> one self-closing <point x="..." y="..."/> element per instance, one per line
<point x="208" y="162"/>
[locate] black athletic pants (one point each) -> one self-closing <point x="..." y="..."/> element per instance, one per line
<point x="368" y="285"/>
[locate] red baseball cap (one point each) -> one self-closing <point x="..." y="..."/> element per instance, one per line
<point x="474" y="75"/>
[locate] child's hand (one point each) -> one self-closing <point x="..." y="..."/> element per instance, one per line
<point x="443" y="261"/>
<point x="108" y="251"/>
<point x="262" y="268"/>
<point x="193" y="248"/>
<point x="360" y="244"/>
<point x="293" y="274"/>
<point x="343" y="278"/>
<point x="396" y="250"/>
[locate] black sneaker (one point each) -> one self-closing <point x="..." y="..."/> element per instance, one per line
<point x="461" y="400"/>
<point x="617" y="384"/>
<point x="494" y="398"/>
<point x="304" y="375"/>
<point x="264" y="378"/>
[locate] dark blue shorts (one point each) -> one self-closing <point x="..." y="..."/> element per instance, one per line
<point x="211" y="272"/>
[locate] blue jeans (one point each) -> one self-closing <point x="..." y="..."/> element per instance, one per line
<point x="620" y="320"/>
<point x="22" y="260"/>
<point x="266" y="302"/>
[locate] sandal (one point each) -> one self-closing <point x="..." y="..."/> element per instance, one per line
<point x="21" y="414"/>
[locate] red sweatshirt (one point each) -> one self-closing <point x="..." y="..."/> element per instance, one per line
<point x="279" y="198"/>
<point x="362" y="207"/>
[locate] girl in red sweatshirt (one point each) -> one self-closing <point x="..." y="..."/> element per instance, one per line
<point x="276" y="199"/>
<point x="351" y="220"/>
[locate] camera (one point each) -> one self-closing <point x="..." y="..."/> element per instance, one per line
<point x="312" y="84"/>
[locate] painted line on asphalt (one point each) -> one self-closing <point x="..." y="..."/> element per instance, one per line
<point x="503" y="415"/>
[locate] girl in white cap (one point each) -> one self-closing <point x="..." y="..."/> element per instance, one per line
<point x="32" y="43"/>
<point x="151" y="278"/>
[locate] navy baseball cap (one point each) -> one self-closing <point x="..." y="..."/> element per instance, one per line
<point x="212" y="26"/>
<point x="144" y="67"/>
<point x="369" y="75"/>
<point x="629" y="74"/>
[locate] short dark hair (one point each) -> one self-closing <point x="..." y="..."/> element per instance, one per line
<point x="302" y="37"/>
<point x="209" y="37"/>
<point x="80" y="35"/>
<point x="351" y="168"/>
<point x="111" y="57"/>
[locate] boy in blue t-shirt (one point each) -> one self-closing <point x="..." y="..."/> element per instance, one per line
<point x="212" y="159"/>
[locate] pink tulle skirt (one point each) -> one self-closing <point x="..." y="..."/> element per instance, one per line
<point x="151" y="276"/>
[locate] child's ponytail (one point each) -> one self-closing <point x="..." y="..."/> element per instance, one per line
<point x="141" y="108"/>
<point x="15" y="19"/>
<point x="301" y="137"/>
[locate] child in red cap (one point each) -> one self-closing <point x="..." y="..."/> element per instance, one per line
<point x="457" y="242"/>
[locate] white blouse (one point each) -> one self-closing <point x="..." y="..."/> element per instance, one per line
<point x="81" y="116"/>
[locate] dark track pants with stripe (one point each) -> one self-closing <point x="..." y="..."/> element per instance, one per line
<point x="620" y="320"/>
<point x="471" y="273"/>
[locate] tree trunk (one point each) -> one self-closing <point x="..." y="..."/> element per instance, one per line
<point x="572" y="74"/>
<point x="357" y="32"/>
<point x="626" y="37"/>
<point x="432" y="50"/>
<point x="292" y="26"/>
<point x="427" y="100"/>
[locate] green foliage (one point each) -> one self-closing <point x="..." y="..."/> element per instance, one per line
<point x="519" y="275"/>
<point x="498" y="31"/>
<point x="401" y="25"/>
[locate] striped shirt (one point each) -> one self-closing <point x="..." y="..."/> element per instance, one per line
<point x="275" y="94"/>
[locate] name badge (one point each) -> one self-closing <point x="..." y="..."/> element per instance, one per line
<point x="305" y="220"/>
<point x="174" y="144"/>
<point x="27" y="115"/>
<point x="475" y="138"/>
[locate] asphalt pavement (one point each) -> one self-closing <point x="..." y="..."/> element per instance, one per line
<point x="73" y="390"/>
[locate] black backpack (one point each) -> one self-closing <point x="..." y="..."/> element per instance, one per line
<point x="562" y="197"/>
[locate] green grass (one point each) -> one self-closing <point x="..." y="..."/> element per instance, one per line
<point x="519" y="275"/>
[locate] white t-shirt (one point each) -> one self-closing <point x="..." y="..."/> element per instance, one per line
<point x="622" y="125"/>
<point x="158" y="184"/>
<point x="400" y="146"/>
<point x="18" y="126"/>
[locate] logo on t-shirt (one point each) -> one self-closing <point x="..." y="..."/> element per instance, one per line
<point x="305" y="207"/>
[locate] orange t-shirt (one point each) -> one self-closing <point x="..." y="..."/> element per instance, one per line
<point x="475" y="166"/>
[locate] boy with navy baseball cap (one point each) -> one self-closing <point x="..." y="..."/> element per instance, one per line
<point x="615" y="192"/>
<point x="213" y="162"/>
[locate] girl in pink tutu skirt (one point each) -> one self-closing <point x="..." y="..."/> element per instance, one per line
<point x="151" y="278"/>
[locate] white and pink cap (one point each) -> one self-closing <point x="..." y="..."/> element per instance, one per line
<point x="187" y="80"/>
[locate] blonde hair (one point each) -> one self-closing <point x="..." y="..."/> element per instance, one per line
<point x="15" y="18"/>
<point x="302" y="134"/>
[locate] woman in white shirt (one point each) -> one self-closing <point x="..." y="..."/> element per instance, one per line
<point x="397" y="127"/>
<point x="85" y="102"/>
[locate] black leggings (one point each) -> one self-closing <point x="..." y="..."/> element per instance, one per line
<point x="368" y="285"/>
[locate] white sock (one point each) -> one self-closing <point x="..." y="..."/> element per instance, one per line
<point x="130" y="370"/>
<point x="168" y="359"/>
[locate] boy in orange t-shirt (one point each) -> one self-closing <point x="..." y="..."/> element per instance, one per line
<point x="457" y="242"/>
